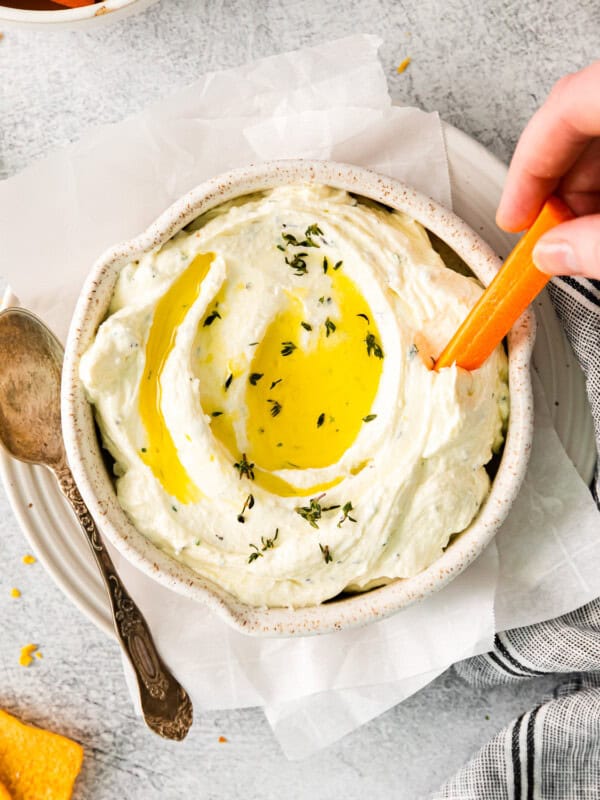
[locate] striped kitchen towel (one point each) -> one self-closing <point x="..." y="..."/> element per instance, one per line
<point x="551" y="752"/>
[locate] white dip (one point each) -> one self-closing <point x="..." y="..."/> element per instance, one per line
<point x="263" y="384"/>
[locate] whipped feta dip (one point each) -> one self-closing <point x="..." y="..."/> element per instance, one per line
<point x="263" y="381"/>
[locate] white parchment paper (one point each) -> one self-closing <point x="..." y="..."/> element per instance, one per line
<point x="325" y="102"/>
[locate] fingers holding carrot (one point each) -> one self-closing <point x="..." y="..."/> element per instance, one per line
<point x="559" y="151"/>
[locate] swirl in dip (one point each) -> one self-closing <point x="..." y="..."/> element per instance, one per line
<point x="263" y="383"/>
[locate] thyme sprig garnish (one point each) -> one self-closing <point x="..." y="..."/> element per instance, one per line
<point x="254" y="554"/>
<point x="255" y="377"/>
<point x="275" y="407"/>
<point x="346" y="509"/>
<point x="320" y="420"/>
<point x="287" y="348"/>
<point x="364" y="316"/>
<point x="307" y="326"/>
<point x="248" y="504"/>
<point x="214" y="314"/>
<point x="313" y="512"/>
<point x="312" y="230"/>
<point x="325" y="264"/>
<point x="274" y="383"/>
<point x="217" y="414"/>
<point x="267" y="544"/>
<point x="369" y="418"/>
<point x="330" y="326"/>
<point x="327" y="557"/>
<point x="373" y="346"/>
<point x="227" y="383"/>
<point x="298" y="263"/>
<point x="337" y="265"/>
<point x="244" y="467"/>
<point x="308" y="241"/>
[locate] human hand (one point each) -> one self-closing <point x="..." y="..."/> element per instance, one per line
<point x="559" y="152"/>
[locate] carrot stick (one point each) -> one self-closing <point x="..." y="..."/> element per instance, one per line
<point x="517" y="283"/>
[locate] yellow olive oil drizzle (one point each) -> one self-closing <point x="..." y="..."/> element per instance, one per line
<point x="161" y="453"/>
<point x="324" y="391"/>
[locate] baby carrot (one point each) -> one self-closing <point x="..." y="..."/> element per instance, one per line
<point x="517" y="283"/>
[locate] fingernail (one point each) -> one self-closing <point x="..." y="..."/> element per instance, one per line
<point x="555" y="258"/>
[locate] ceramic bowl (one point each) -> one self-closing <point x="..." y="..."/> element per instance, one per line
<point x="75" y="18"/>
<point x="96" y="484"/>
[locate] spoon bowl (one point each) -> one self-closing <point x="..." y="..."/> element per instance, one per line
<point x="30" y="373"/>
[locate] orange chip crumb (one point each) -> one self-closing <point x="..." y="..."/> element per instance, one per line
<point x="403" y="65"/>
<point x="28" y="559"/>
<point x="26" y="657"/>
<point x="223" y="739"/>
<point x="35" y="763"/>
<point x="14" y="592"/>
<point x="38" y="654"/>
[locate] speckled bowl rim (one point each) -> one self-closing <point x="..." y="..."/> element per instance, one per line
<point x="83" y="448"/>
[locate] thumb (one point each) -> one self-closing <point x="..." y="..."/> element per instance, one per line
<point x="572" y="248"/>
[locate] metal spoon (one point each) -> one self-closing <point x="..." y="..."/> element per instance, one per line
<point x="30" y="429"/>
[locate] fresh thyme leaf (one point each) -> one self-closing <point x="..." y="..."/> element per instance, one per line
<point x="143" y="450"/>
<point x="269" y="544"/>
<point x="252" y="344"/>
<point x="373" y="346"/>
<point x="291" y="241"/>
<point x="244" y="467"/>
<point x="364" y="316"/>
<point x="217" y="414"/>
<point x="197" y="542"/>
<point x="255" y="377"/>
<point x="298" y="263"/>
<point x="320" y="420"/>
<point x="174" y="508"/>
<point x="369" y="418"/>
<point x="275" y="383"/>
<point x="228" y="382"/>
<point x="275" y="408"/>
<point x="330" y="326"/>
<point x="254" y="554"/>
<point x="214" y="314"/>
<point x="325" y="264"/>
<point x="322" y="299"/>
<point x="346" y="509"/>
<point x="338" y="264"/>
<point x="248" y="504"/>
<point x="287" y="348"/>
<point x="307" y="326"/>
<point x="312" y="230"/>
<point x="412" y="351"/>
<point x="312" y="512"/>
<point x="327" y="557"/>
<point x="280" y="247"/>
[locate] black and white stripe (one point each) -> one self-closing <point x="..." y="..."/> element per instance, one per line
<point x="553" y="751"/>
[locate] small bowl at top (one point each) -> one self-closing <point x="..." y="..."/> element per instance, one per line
<point x="84" y="17"/>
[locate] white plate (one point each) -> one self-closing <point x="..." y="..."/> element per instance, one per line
<point x="477" y="178"/>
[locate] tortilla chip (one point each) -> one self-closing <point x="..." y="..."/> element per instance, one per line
<point x="4" y="793"/>
<point x="36" y="764"/>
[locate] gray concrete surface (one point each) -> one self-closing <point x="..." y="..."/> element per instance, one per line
<point x="485" y="66"/>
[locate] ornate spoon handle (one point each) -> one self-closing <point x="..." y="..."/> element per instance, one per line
<point x="165" y="703"/>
